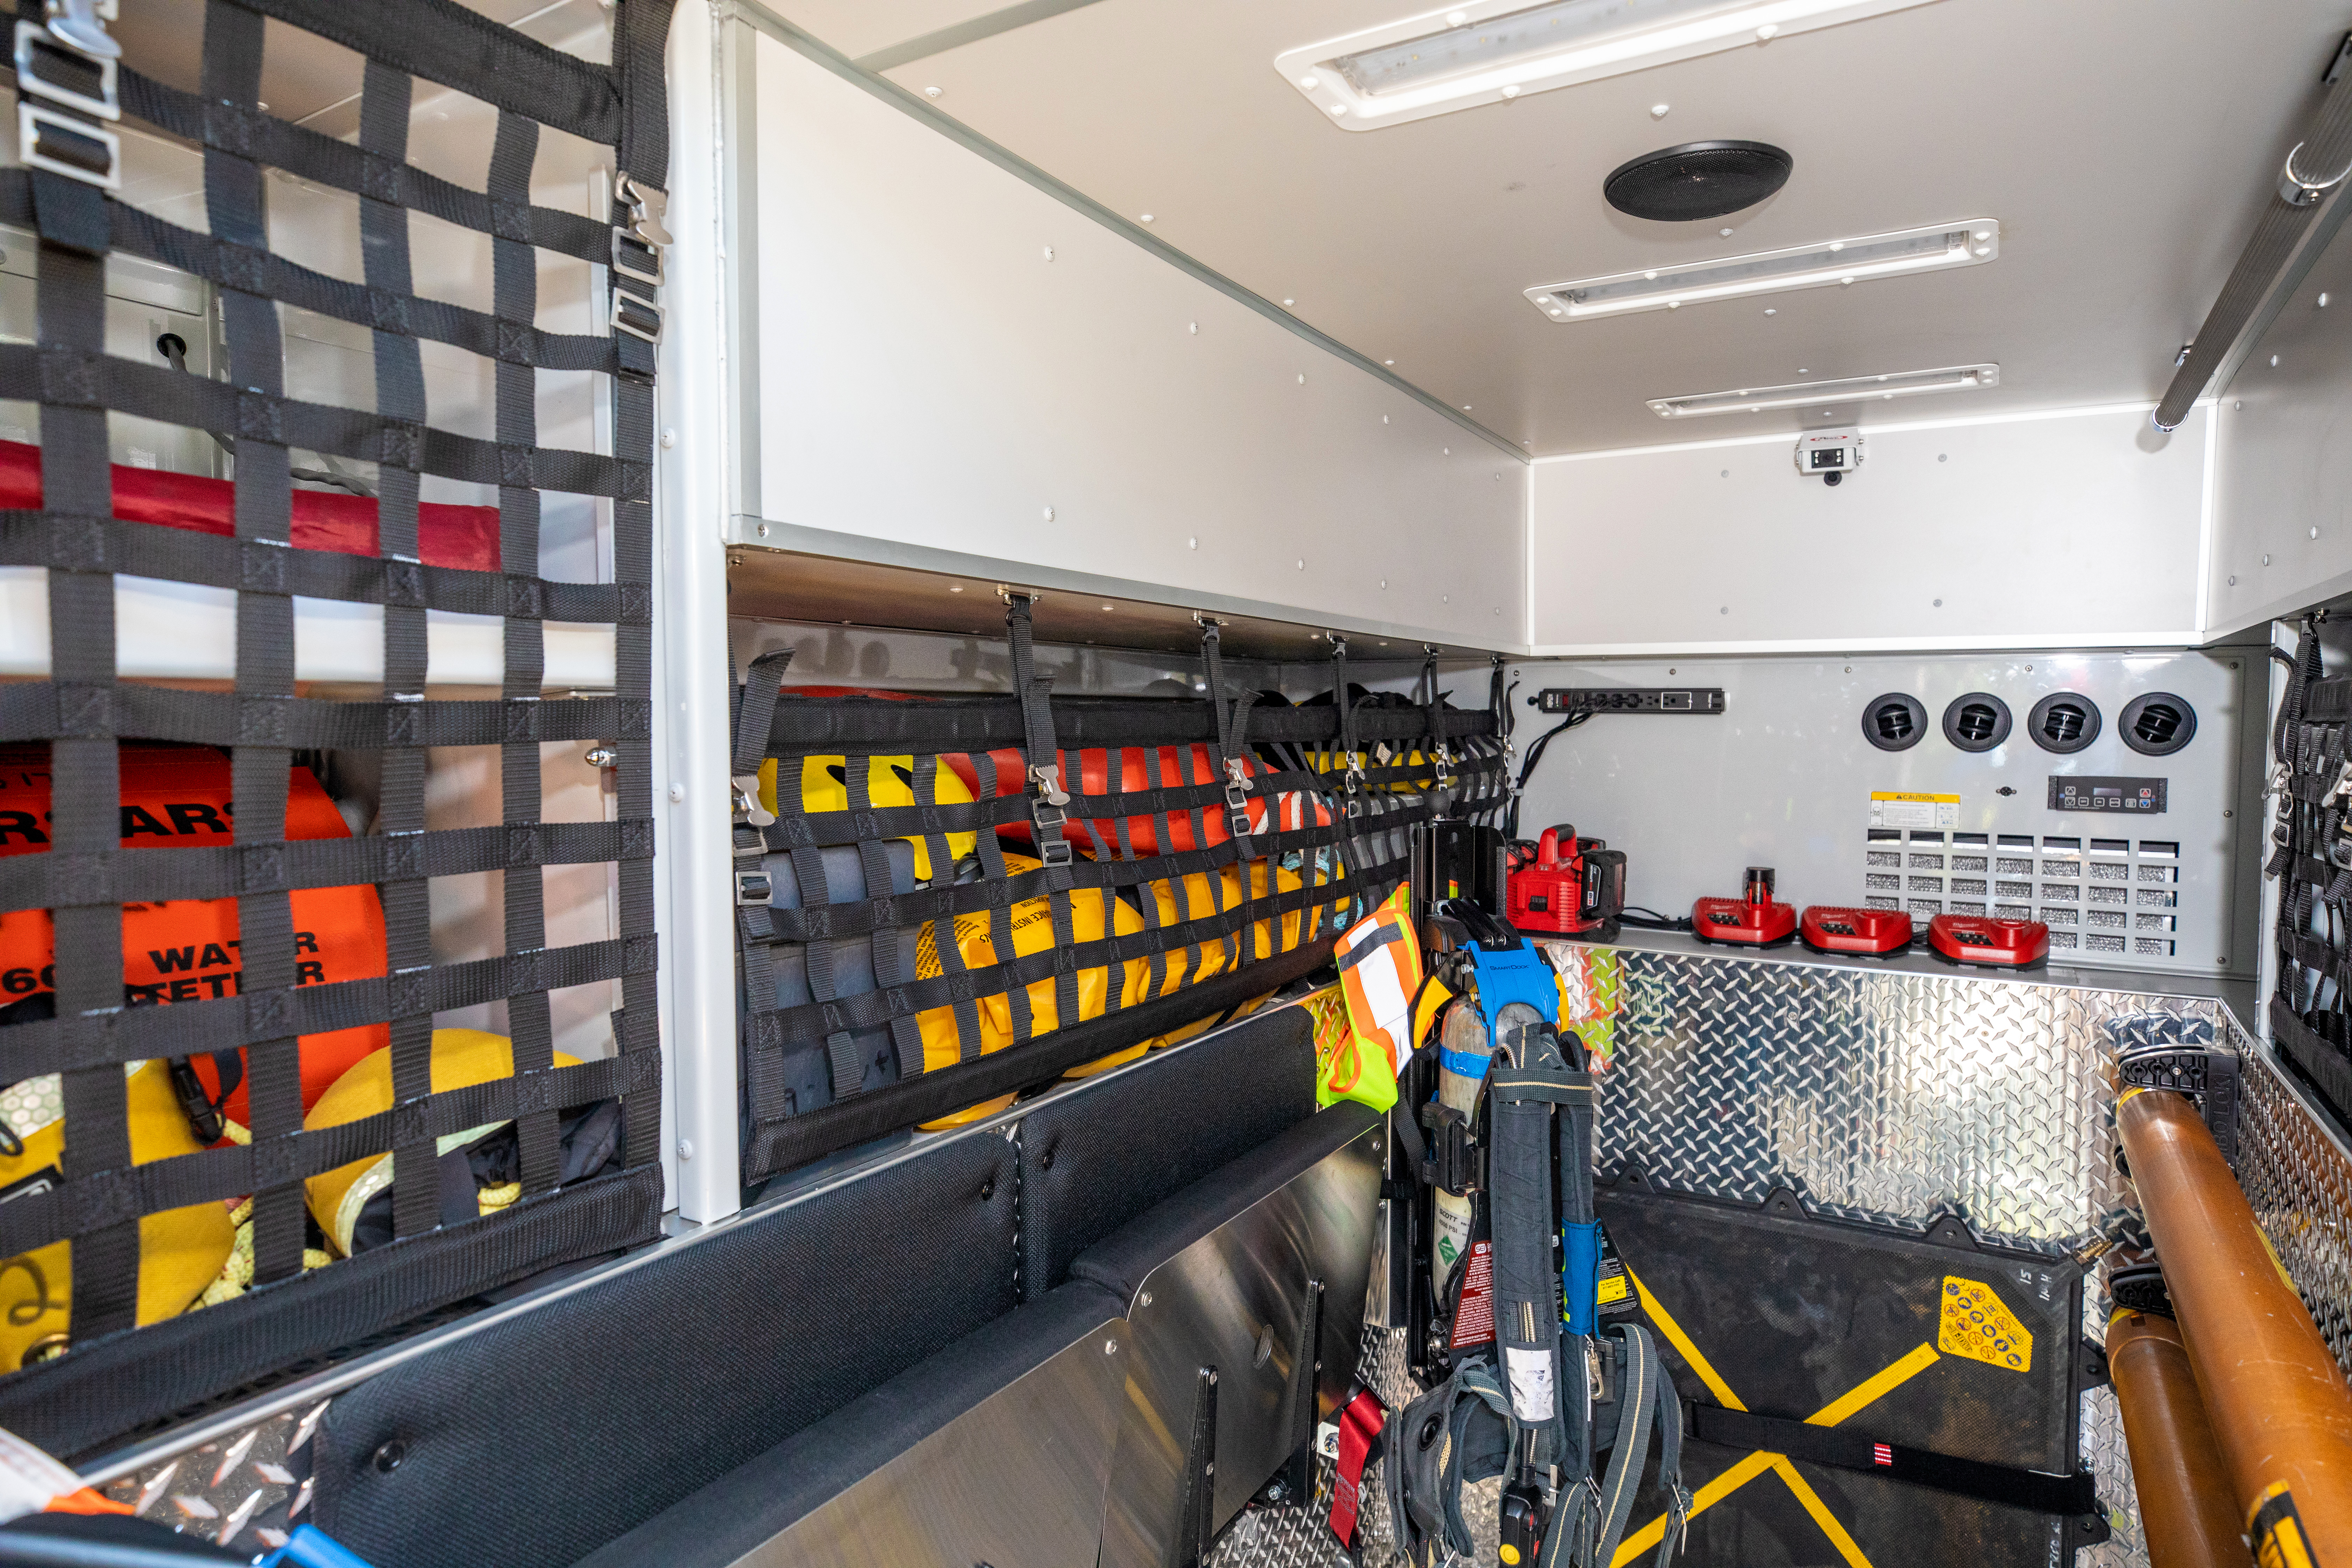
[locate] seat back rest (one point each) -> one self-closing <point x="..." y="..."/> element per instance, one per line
<point x="997" y="1449"/>
<point x="1097" y="1157"/>
<point x="1258" y="1273"/>
<point x="539" y="1438"/>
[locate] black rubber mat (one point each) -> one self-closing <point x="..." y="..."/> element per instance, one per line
<point x="1931" y="1345"/>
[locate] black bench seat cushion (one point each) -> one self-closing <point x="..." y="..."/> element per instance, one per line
<point x="533" y="1441"/>
<point x="1119" y="1262"/>
<point x="1094" y="1157"/>
<point x="748" y="1506"/>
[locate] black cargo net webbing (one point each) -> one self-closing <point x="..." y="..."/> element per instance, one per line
<point x="947" y="897"/>
<point x="108" y="1380"/>
<point x="2311" y="854"/>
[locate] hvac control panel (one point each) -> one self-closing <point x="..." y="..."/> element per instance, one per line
<point x="2073" y="792"/>
<point x="1629" y="700"/>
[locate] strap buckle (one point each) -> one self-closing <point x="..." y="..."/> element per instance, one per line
<point x="1452" y="1161"/>
<point x="640" y="318"/>
<point x="1045" y="781"/>
<point x="747" y="801"/>
<point x="83" y="64"/>
<point x="647" y="208"/>
<point x="754" y="888"/>
<point x="2341" y="788"/>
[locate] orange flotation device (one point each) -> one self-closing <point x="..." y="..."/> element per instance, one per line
<point x="186" y="950"/>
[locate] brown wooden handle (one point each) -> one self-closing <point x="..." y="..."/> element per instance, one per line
<point x="2188" y="1513"/>
<point x="2280" y="1412"/>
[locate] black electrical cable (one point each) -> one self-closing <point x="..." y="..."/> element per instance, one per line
<point x="1641" y="918"/>
<point x="1534" y="755"/>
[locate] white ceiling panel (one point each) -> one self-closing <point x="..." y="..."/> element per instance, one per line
<point x="2124" y="146"/>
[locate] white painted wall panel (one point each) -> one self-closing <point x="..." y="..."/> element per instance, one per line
<point x="2081" y="527"/>
<point x="928" y="377"/>
<point x="2282" y="537"/>
<point x="1783" y="778"/>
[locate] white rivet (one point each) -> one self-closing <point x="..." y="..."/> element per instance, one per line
<point x="2266" y="559"/>
<point x="1049" y="253"/>
<point x="1290" y="301"/>
<point x="1658" y="110"/>
<point x="1384" y="582"/>
<point x="1764" y="34"/>
<point x="1651" y="276"/>
<point x="1193" y="327"/>
<point x="1842" y="282"/>
<point x="669" y="436"/>
<point x="2240" y="403"/>
<point x="931" y="93"/>
<point x="1106" y="606"/>
<point x="2274" y="362"/>
<point x="2323" y="301"/>
<point x="1725" y="232"/>
<point x="678" y="791"/>
<point x="1445" y="598"/>
<point x="1049" y="514"/>
<point x="1984" y="234"/>
<point x="1302" y="378"/>
<point x="1769" y="313"/>
<point x="1447" y="450"/>
<point x="1465" y="408"/>
<point x="1455" y="19"/>
<point x="1309" y="83"/>
<point x="1388" y="362"/>
<point x="1338" y="109"/>
<point x="1110" y="1347"/>
<point x="955" y="587"/>
<point x="2315" y="534"/>
<point x="1674" y="304"/>
<point x="1302" y="565"/>
<point x="686" y="1148"/>
<point x="1510" y="92"/>
<point x="1192" y="543"/>
<point x="1147" y="217"/>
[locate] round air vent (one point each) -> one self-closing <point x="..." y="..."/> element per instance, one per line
<point x="1895" y="722"/>
<point x="1977" y="722"/>
<point x="2158" y="723"/>
<point x="2063" y="722"/>
<point x="1697" y="180"/>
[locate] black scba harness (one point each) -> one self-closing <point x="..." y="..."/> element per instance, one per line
<point x="1563" y="1410"/>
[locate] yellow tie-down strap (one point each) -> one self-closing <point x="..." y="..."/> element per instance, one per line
<point x="1868" y="1392"/>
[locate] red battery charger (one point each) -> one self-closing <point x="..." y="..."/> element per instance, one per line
<point x="1564" y="886"/>
<point x="1752" y="920"/>
<point x="1872" y="933"/>
<point x="1993" y="944"/>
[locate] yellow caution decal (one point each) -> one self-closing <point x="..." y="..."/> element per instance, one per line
<point x="2276" y="1529"/>
<point x="1976" y="1324"/>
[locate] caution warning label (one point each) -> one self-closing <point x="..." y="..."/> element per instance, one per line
<point x="1473" y="1321"/>
<point x="1976" y="1324"/>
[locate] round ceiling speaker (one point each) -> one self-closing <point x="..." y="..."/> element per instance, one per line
<point x="1697" y="180"/>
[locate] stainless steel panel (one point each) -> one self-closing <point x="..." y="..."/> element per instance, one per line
<point x="1017" y="1479"/>
<point x="1232" y="1300"/>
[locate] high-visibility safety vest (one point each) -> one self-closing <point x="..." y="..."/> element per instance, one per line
<point x="1380" y="971"/>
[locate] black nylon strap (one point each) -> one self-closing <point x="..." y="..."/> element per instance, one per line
<point x="1844" y="1448"/>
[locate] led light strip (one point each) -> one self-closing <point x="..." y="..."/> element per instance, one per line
<point x="1494" y="50"/>
<point x="1968" y="242"/>
<point x="1852" y="389"/>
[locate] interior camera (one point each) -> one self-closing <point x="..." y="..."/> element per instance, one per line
<point x="1829" y="454"/>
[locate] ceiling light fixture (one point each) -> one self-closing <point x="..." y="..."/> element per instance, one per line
<point x="1438" y="61"/>
<point x="1852" y="389"/>
<point x="1969" y="242"/>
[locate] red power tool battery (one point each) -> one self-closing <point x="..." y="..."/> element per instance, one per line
<point x="1751" y="921"/>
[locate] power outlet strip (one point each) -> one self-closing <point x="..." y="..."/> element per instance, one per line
<point x="1629" y="698"/>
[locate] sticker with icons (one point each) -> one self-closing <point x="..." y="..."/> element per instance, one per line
<point x="1976" y="1324"/>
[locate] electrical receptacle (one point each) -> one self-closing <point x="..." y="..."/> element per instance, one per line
<point x="1629" y="698"/>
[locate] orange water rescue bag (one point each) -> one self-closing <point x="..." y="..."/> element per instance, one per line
<point x="186" y="950"/>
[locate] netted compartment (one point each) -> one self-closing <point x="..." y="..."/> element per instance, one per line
<point x="2310" y="853"/>
<point x="945" y="899"/>
<point x="179" y="1094"/>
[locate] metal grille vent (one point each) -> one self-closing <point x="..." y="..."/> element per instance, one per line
<point x="1977" y="722"/>
<point x="2119" y="901"/>
<point x="1697" y="180"/>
